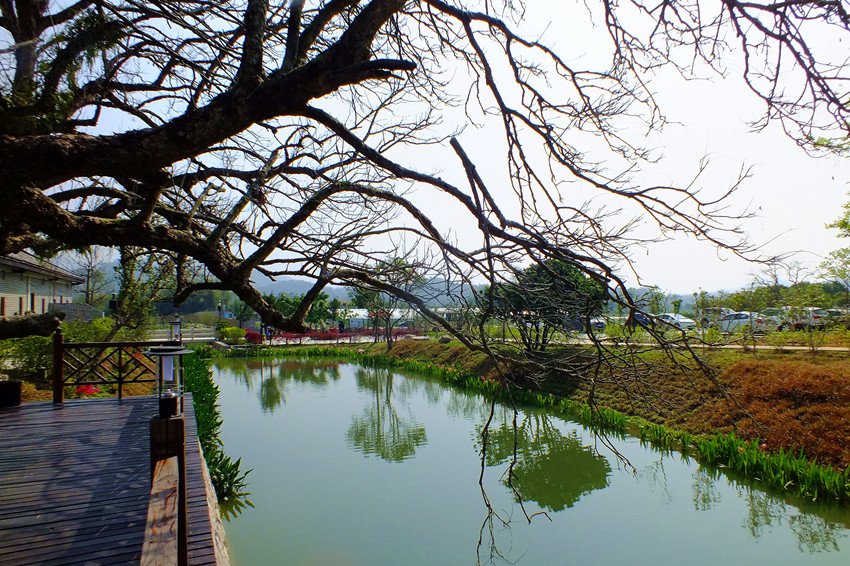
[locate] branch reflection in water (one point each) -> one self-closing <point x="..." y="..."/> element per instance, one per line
<point x="542" y="465"/>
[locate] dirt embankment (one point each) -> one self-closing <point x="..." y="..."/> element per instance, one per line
<point x="799" y="404"/>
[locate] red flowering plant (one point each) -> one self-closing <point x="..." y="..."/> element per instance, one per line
<point x="88" y="391"/>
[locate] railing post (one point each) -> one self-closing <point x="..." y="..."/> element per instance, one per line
<point x="168" y="438"/>
<point x="58" y="363"/>
<point x="120" y="372"/>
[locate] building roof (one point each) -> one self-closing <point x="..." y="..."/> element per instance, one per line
<point x="25" y="261"/>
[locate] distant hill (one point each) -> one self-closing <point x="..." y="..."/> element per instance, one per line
<point x="437" y="292"/>
<point x="294" y="286"/>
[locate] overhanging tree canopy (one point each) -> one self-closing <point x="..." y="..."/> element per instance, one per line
<point x="281" y="138"/>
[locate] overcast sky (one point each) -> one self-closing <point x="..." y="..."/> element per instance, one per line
<point x="792" y="195"/>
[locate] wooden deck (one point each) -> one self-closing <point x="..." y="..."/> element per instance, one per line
<point x="75" y="483"/>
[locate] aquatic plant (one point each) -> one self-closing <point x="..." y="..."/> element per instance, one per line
<point x="605" y="419"/>
<point x="782" y="469"/>
<point x="657" y="436"/>
<point x="227" y="478"/>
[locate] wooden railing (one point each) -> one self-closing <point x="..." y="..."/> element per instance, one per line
<point x="166" y="534"/>
<point x="162" y="530"/>
<point x="99" y="363"/>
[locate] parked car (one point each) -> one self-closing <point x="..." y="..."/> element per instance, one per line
<point x="640" y="319"/>
<point x="577" y="324"/>
<point x="839" y="317"/>
<point x="677" y="320"/>
<point x="814" y="317"/>
<point x="774" y="318"/>
<point x="573" y="323"/>
<point x="738" y="321"/>
<point x="803" y="318"/>
<point x="711" y="315"/>
<point x="796" y="318"/>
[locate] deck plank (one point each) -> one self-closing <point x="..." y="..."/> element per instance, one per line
<point x="75" y="483"/>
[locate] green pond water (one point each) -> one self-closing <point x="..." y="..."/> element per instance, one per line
<point x="357" y="466"/>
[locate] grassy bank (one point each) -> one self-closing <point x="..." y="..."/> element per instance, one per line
<point x="785" y="421"/>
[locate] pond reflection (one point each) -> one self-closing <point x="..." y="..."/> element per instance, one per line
<point x="273" y="376"/>
<point x="380" y="430"/>
<point x="552" y="469"/>
<point x="766" y="512"/>
<point x="356" y="465"/>
<point x="705" y="492"/>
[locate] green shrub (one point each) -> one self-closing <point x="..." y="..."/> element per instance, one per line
<point x="815" y="339"/>
<point x="615" y="332"/>
<point x="233" y="335"/>
<point x="838" y="335"/>
<point x="29" y="359"/>
<point x="777" y="338"/>
<point x="220" y="327"/>
<point x="204" y="351"/>
<point x="95" y="331"/>
<point x="639" y="335"/>
<point x="713" y="335"/>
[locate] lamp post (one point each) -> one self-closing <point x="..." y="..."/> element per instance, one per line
<point x="169" y="378"/>
<point x="175" y="331"/>
<point x="168" y="428"/>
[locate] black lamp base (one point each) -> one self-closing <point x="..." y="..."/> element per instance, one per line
<point x="168" y="407"/>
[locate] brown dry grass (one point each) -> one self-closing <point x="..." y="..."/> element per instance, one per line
<point x="30" y="393"/>
<point x="790" y="403"/>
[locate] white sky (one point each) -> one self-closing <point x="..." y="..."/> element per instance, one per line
<point x="792" y="194"/>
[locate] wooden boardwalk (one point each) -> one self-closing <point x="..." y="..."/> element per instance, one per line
<point x="75" y="483"/>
